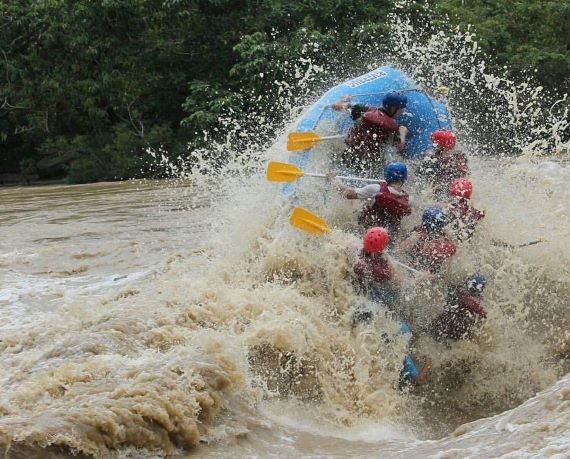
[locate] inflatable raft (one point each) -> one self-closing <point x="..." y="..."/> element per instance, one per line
<point x="423" y="115"/>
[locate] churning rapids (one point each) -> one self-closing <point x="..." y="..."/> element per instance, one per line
<point x="163" y="317"/>
<point x="186" y="318"/>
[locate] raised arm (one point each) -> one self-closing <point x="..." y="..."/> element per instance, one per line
<point x="403" y="131"/>
<point x="366" y="192"/>
<point x="347" y="192"/>
<point x="342" y="104"/>
<point x="422" y="376"/>
<point x="355" y="110"/>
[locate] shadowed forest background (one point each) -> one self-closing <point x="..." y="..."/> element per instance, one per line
<point x="86" y="87"/>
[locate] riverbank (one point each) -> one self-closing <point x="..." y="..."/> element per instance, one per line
<point x="21" y="180"/>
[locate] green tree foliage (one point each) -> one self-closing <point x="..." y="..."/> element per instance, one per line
<point x="92" y="77"/>
<point x="525" y="35"/>
<point x="95" y="83"/>
<point x="274" y="41"/>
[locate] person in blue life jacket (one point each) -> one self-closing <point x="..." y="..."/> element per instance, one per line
<point x="374" y="128"/>
<point x="390" y="203"/>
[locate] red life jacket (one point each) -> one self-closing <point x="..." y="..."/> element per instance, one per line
<point x="430" y="253"/>
<point x="370" y="132"/>
<point x="463" y="218"/>
<point x="374" y="269"/>
<point x="471" y="304"/>
<point x="459" y="320"/>
<point x="442" y="170"/>
<point x="454" y="166"/>
<point x="387" y="210"/>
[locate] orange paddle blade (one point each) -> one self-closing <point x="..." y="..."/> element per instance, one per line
<point x="283" y="172"/>
<point x="308" y="221"/>
<point x="302" y="140"/>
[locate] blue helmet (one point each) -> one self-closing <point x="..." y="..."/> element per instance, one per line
<point x="404" y="328"/>
<point x="396" y="172"/>
<point x="434" y="219"/>
<point x="395" y="99"/>
<point x="476" y="283"/>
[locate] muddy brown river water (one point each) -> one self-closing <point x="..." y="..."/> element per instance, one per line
<point x="151" y="319"/>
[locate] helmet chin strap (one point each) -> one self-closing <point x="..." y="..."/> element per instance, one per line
<point x="391" y="111"/>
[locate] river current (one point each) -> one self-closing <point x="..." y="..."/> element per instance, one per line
<point x="188" y="319"/>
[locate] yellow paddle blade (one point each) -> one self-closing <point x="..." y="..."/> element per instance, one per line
<point x="302" y="140"/>
<point x="307" y="221"/>
<point x="283" y="172"/>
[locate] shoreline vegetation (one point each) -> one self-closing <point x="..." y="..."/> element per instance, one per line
<point x="15" y="180"/>
<point x="86" y="89"/>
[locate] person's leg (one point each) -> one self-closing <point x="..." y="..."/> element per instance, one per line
<point x="388" y="295"/>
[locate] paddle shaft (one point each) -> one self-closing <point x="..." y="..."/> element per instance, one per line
<point x="341" y="177"/>
<point x="312" y="223"/>
<point x="515" y="246"/>
<point x="529" y="243"/>
<point x="306" y="140"/>
<point x="409" y="268"/>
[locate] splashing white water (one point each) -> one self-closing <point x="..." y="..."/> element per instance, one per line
<point x="245" y="323"/>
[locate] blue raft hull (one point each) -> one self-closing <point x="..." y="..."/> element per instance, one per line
<point x="423" y="115"/>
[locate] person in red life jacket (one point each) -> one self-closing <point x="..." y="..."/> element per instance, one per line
<point x="391" y="203"/>
<point x="429" y="246"/>
<point x="375" y="275"/>
<point x="464" y="312"/>
<point x="443" y="163"/>
<point x="373" y="129"/>
<point x="463" y="217"/>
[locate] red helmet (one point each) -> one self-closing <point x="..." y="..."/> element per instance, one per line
<point x="444" y="138"/>
<point x="461" y="187"/>
<point x="375" y="240"/>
